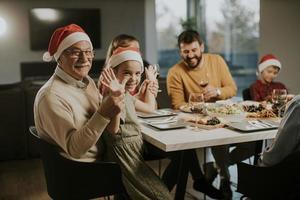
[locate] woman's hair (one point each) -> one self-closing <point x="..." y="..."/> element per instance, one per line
<point x="122" y="40"/>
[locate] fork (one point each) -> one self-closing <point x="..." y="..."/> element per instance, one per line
<point x="257" y="124"/>
<point x="167" y="120"/>
<point x="266" y="123"/>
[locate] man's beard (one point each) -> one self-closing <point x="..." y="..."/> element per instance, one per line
<point x="190" y="64"/>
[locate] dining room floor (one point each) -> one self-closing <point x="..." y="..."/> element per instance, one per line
<point x="24" y="179"/>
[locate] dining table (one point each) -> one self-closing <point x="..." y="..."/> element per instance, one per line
<point x="186" y="138"/>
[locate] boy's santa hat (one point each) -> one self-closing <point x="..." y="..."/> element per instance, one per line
<point x="63" y="38"/>
<point x="122" y="54"/>
<point x="266" y="61"/>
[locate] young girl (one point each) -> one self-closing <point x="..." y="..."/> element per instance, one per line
<point x="123" y="137"/>
<point x="128" y="41"/>
<point x="122" y="40"/>
<point x="267" y="70"/>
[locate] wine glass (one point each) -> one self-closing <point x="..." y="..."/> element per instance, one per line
<point x="279" y="96"/>
<point x="157" y="68"/>
<point x="279" y="99"/>
<point x="204" y="81"/>
<point x="196" y="103"/>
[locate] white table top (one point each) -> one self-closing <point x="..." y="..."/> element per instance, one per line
<point x="182" y="139"/>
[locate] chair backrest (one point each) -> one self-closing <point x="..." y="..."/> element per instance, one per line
<point x="281" y="181"/>
<point x="68" y="179"/>
<point x="246" y="94"/>
<point x="163" y="100"/>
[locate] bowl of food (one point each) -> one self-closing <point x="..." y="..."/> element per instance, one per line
<point x="230" y="112"/>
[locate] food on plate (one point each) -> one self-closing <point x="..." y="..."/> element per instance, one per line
<point x="265" y="113"/>
<point x="253" y="108"/>
<point x="206" y="121"/>
<point x="224" y="109"/>
<point x="258" y="110"/>
<point x="213" y="121"/>
<point x="197" y="108"/>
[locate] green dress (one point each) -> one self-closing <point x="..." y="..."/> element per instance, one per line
<point x="126" y="148"/>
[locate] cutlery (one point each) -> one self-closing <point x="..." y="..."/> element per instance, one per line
<point x="266" y="123"/>
<point x="162" y="121"/>
<point x="257" y="124"/>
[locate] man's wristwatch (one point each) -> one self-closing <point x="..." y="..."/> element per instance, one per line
<point x="218" y="91"/>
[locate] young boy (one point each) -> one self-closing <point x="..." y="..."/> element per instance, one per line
<point x="267" y="70"/>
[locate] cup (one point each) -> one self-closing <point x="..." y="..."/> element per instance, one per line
<point x="204" y="81"/>
<point x="157" y="68"/>
<point x="279" y="96"/>
<point x="279" y="99"/>
<point x="196" y="102"/>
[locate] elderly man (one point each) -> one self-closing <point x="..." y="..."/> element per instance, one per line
<point x="67" y="109"/>
<point x="205" y="73"/>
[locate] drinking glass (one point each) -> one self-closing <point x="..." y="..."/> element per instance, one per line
<point x="204" y="81"/>
<point x="279" y="99"/>
<point x="196" y="103"/>
<point x="157" y="68"/>
<point x="279" y="96"/>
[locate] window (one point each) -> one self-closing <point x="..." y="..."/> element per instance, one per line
<point x="232" y="31"/>
<point x="228" y="27"/>
<point x="169" y="16"/>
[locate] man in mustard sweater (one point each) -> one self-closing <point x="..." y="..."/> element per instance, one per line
<point x="195" y="69"/>
<point x="68" y="110"/>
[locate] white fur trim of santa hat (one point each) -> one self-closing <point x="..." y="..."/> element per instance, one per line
<point x="126" y="55"/>
<point x="266" y="61"/>
<point x="66" y="43"/>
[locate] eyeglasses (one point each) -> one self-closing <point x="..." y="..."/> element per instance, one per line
<point x="76" y="53"/>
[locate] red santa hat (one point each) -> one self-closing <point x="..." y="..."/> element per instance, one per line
<point x="266" y="61"/>
<point x="63" y="38"/>
<point x="122" y="54"/>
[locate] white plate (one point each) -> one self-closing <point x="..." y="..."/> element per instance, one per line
<point x="185" y="108"/>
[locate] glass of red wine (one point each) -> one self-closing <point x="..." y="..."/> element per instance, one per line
<point x="204" y="81"/>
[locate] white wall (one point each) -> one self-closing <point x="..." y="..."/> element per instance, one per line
<point x="280" y="35"/>
<point x="117" y="16"/>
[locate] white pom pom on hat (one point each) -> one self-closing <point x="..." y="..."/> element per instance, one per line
<point x="63" y="38"/>
<point x="266" y="61"/>
<point x="47" y="57"/>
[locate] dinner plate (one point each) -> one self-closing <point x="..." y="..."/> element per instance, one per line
<point x="254" y="125"/>
<point x="157" y="113"/>
<point x="168" y="125"/>
<point x="185" y="108"/>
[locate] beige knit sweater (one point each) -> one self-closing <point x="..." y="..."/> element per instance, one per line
<point x="65" y="113"/>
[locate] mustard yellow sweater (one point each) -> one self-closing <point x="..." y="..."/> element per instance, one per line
<point x="182" y="80"/>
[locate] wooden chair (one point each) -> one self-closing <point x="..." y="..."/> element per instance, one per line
<point x="281" y="181"/>
<point x="67" y="179"/>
